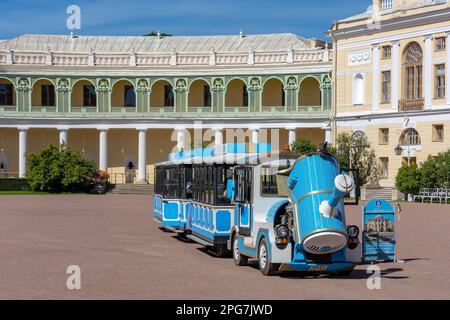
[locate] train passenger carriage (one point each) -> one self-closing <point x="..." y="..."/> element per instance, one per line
<point x="190" y="194"/>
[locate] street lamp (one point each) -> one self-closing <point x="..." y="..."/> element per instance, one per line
<point x="398" y="150"/>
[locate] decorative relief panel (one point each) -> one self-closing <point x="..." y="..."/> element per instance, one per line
<point x="29" y="58"/>
<point x="109" y="60"/>
<point x="308" y="56"/>
<point x="153" y="60"/>
<point x="271" y="58"/>
<point x="70" y="60"/>
<point x="193" y="59"/>
<point x="359" y="57"/>
<point x="222" y="59"/>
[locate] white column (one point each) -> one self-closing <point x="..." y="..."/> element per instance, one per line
<point x="328" y="136"/>
<point x="218" y="136"/>
<point x="447" y="68"/>
<point x="63" y="136"/>
<point x="103" y="153"/>
<point x="292" y="132"/>
<point x="395" y="75"/>
<point x="22" y="152"/>
<point x="255" y="136"/>
<point x="181" y="139"/>
<point x="142" y="165"/>
<point x="328" y="133"/>
<point x="427" y="72"/>
<point x="376" y="77"/>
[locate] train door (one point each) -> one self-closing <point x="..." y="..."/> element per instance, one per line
<point x="243" y="207"/>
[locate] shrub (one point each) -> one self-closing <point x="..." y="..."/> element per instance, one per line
<point x="436" y="171"/>
<point x="12" y="184"/>
<point x="408" y="179"/>
<point x="59" y="170"/>
<point x="303" y="146"/>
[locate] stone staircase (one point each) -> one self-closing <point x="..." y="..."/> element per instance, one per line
<point x="368" y="194"/>
<point x="145" y="189"/>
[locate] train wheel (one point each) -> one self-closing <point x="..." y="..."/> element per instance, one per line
<point x="265" y="266"/>
<point x="239" y="259"/>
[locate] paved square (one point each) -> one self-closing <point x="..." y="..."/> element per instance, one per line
<point x="123" y="255"/>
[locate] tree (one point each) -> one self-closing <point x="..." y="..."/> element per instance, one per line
<point x="154" y="34"/>
<point x="59" y="170"/>
<point x="363" y="157"/>
<point x="408" y="179"/>
<point x="435" y="171"/>
<point x="303" y="146"/>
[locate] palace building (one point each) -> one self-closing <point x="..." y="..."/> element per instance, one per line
<point x="127" y="102"/>
<point x="391" y="73"/>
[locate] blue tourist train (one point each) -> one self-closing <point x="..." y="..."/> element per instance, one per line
<point x="285" y="211"/>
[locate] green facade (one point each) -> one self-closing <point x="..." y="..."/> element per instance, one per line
<point x="143" y="87"/>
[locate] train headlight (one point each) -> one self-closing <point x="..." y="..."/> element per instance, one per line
<point x="281" y="231"/>
<point x="353" y="231"/>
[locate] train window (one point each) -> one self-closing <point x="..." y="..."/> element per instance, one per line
<point x="159" y="180"/>
<point x="269" y="187"/>
<point x="210" y="186"/>
<point x="221" y="186"/>
<point x="243" y="185"/>
<point x="182" y="182"/>
<point x="171" y="182"/>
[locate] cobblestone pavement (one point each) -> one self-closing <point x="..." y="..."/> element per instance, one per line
<point x="123" y="255"/>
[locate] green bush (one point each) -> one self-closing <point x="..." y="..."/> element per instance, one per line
<point x="59" y="170"/>
<point x="13" y="184"/>
<point x="408" y="179"/>
<point x="303" y="146"/>
<point x="436" y="171"/>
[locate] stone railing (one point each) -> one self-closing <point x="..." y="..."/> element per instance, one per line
<point x="165" y="59"/>
<point x="411" y="104"/>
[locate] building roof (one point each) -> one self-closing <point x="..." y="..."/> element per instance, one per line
<point x="143" y="44"/>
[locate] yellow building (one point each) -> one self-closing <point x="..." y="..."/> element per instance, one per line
<point x="391" y="69"/>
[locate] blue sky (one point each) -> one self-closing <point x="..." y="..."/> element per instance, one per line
<point x="179" y="17"/>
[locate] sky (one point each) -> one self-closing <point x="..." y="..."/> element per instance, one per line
<point x="178" y="17"/>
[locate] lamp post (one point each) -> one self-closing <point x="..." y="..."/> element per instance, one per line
<point x="399" y="150"/>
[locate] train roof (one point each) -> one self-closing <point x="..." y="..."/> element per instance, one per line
<point x="231" y="154"/>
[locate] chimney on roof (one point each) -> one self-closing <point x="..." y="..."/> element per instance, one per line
<point x="158" y="35"/>
<point x="241" y="34"/>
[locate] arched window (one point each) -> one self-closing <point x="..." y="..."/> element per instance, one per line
<point x="43" y="94"/>
<point x="7" y="93"/>
<point x="410" y="137"/>
<point x="413" y="71"/>
<point x="162" y="94"/>
<point x="236" y="94"/>
<point x="123" y="95"/>
<point x="84" y="94"/>
<point x="199" y="94"/>
<point x="358" y="89"/>
<point x="309" y="93"/>
<point x="273" y="93"/>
